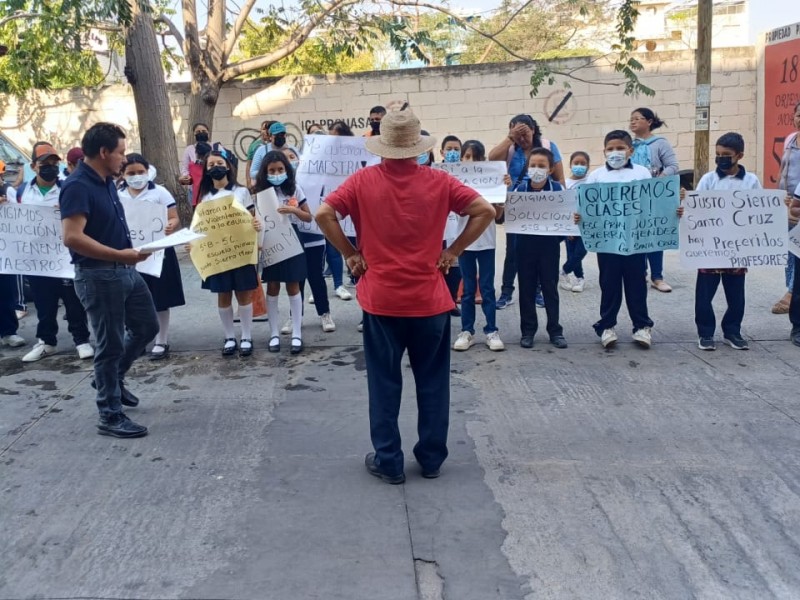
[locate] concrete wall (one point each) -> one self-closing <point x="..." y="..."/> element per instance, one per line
<point x="474" y="101"/>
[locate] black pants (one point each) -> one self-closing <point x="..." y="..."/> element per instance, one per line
<point x="427" y="340"/>
<point x="509" y="265"/>
<point x="315" y="265"/>
<point x="537" y="265"/>
<point x="705" y="289"/>
<point x="47" y="291"/>
<point x="794" y="306"/>
<point x="8" y="303"/>
<point x="618" y="272"/>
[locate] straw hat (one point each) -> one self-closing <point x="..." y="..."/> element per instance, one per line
<point x="400" y="137"/>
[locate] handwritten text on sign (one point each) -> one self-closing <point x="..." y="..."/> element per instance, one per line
<point x="484" y="177"/>
<point x="630" y="217"/>
<point x="733" y="229"/>
<point x="230" y="240"/>
<point x="541" y="213"/>
<point x="326" y="162"/>
<point x="31" y="242"/>
<point x="279" y="238"/>
<point x="146" y="221"/>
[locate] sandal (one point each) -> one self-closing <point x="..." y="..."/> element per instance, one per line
<point x="159" y="355"/>
<point x="229" y="347"/>
<point x="245" y="347"/>
<point x="296" y="348"/>
<point x="274" y="347"/>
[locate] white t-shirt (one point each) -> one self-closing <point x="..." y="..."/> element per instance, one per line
<point x="240" y="194"/>
<point x="571" y="183"/>
<point x="33" y="195"/>
<point x="156" y="194"/>
<point x="487" y="240"/>
<point x="606" y="175"/>
<point x="712" y="181"/>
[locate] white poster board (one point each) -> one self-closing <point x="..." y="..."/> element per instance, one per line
<point x="733" y="229"/>
<point x="794" y="241"/>
<point x="542" y="213"/>
<point x="31" y="241"/>
<point x="278" y="239"/>
<point x="484" y="177"/>
<point x="146" y="221"/>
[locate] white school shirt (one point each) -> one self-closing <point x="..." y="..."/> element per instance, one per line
<point x="300" y="195"/>
<point x="154" y="193"/>
<point x="240" y="195"/>
<point x="572" y="183"/>
<point x="486" y="241"/>
<point x="716" y="181"/>
<point x="625" y="174"/>
<point x="32" y="195"/>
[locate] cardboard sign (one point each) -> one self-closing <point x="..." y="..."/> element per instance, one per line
<point x="733" y="229"/>
<point x="279" y="240"/>
<point x="630" y="217"/>
<point x="231" y="240"/>
<point x="542" y="213"/>
<point x="31" y="241"/>
<point x="794" y="241"/>
<point x="146" y="221"/>
<point x="485" y="177"/>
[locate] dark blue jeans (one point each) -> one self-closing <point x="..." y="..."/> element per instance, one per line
<point x="8" y="303"/>
<point x="656" y="260"/>
<point x="315" y="263"/>
<point x="619" y="272"/>
<point x="794" y="305"/>
<point x="509" y="265"/>
<point x="477" y="269"/>
<point x="123" y="317"/>
<point x="47" y="291"/>
<point x="576" y="252"/>
<point x="427" y="340"/>
<point x="705" y="289"/>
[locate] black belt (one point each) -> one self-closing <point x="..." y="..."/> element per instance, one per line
<point x="104" y="264"/>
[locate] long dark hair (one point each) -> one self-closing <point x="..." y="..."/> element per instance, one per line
<point x="341" y="128"/>
<point x="649" y="115"/>
<point x="288" y="187"/>
<point x="206" y="183"/>
<point x="530" y="122"/>
<point x="478" y="150"/>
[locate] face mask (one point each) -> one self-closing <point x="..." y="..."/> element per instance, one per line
<point x="724" y="163"/>
<point x="537" y="174"/>
<point x="137" y="182"/>
<point x="376" y="127"/>
<point x="277" y="179"/>
<point x="617" y="159"/>
<point x="48" y="172"/>
<point x="279" y="140"/>
<point x="452" y="156"/>
<point x="295" y="164"/>
<point x="218" y="173"/>
<point x="423" y="158"/>
<point x="201" y="137"/>
<point x="579" y="170"/>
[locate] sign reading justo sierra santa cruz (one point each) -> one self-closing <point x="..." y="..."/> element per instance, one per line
<point x="781" y="94"/>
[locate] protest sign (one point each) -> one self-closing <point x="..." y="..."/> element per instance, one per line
<point x="146" y="221"/>
<point x="733" y="229"/>
<point x="31" y="241"/>
<point x="541" y="213"/>
<point x="231" y="240"/>
<point x="630" y="217"/>
<point x="325" y="163"/>
<point x="279" y="240"/>
<point x="484" y="177"/>
<point x="794" y="241"/>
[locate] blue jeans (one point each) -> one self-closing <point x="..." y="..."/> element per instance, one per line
<point x="509" y="266"/>
<point x="790" y="267"/>
<point x="656" y="260"/>
<point x="427" y="340"/>
<point x="335" y="263"/>
<point x="477" y="270"/>
<point x="576" y="252"/>
<point x="123" y="317"/>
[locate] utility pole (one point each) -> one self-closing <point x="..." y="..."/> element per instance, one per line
<point x="702" y="123"/>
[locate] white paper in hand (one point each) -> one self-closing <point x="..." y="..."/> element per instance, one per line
<point x="184" y="236"/>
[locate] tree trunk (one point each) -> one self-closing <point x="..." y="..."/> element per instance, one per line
<point x="203" y="102"/>
<point x="156" y="133"/>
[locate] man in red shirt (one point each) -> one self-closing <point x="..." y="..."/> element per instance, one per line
<point x="400" y="209"/>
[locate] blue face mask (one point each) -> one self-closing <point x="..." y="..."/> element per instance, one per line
<point x="452" y="156"/>
<point x="277" y="179"/>
<point x="579" y="170"/>
<point x="423" y="158"/>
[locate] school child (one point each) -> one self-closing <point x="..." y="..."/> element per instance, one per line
<point x="537" y="259"/>
<point x="729" y="175"/>
<point x="477" y="268"/>
<point x="617" y="270"/>
<point x="451" y="149"/>
<point x="276" y="172"/>
<point x="167" y="290"/>
<point x="450" y="152"/>
<point x="219" y="180"/>
<point x="571" y="276"/>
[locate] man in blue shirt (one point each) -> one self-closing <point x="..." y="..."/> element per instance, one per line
<point x="113" y="293"/>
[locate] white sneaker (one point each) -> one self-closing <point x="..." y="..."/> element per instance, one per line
<point x="463" y="342"/>
<point x="327" y="323"/>
<point x="360" y="327"/>
<point x="578" y="284"/>
<point x="343" y="294"/>
<point x="287" y="327"/>
<point x="565" y="281"/>
<point x="85" y="350"/>
<point x="609" y="338"/>
<point x="40" y="350"/>
<point x="642" y="337"/>
<point x="13" y="340"/>
<point x="21" y="314"/>
<point x="310" y="299"/>
<point x="494" y="342"/>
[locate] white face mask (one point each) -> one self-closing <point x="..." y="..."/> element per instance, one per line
<point x="137" y="182"/>
<point x="617" y="159"/>
<point x="537" y="174"/>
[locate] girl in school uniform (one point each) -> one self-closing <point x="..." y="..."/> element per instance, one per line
<point x="570" y="277"/>
<point x="276" y="172"/>
<point x="219" y="180"/>
<point x="167" y="290"/>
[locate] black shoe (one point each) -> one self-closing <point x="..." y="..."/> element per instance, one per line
<point x="120" y="426"/>
<point x="558" y="341"/>
<point x="795" y="337"/>
<point x="434" y="474"/>
<point x="245" y="347"/>
<point x="274" y="347"/>
<point x="456" y="312"/>
<point x="526" y="341"/>
<point x="707" y="344"/>
<point x="737" y="342"/>
<point x="296" y="349"/>
<point x="229" y="350"/>
<point x="369" y="462"/>
<point x="160" y="355"/>
<point x="127" y="397"/>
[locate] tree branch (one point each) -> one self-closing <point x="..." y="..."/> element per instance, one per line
<point x="173" y="29"/>
<point x="19" y="15"/>
<point x="233" y="34"/>
<point x="191" y="44"/>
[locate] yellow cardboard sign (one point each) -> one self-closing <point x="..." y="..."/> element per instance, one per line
<point x="231" y="240"/>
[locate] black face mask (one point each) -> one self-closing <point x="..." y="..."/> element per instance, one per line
<point x="376" y="127"/>
<point x="201" y="136"/>
<point x="724" y="163"/>
<point x="48" y="172"/>
<point x="218" y="173"/>
<point x="279" y="140"/>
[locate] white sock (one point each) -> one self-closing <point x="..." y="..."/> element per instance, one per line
<point x="296" y="307"/>
<point x="274" y="315"/>
<point x="163" y="327"/>
<point x="226" y="316"/>
<point x="246" y="318"/>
